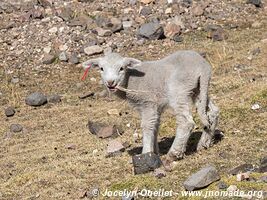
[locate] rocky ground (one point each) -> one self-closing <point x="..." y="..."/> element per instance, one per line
<point x="46" y="149"/>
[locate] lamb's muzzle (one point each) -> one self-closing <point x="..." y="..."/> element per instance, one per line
<point x="177" y="80"/>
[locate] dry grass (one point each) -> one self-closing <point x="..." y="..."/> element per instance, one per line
<point x="36" y="164"/>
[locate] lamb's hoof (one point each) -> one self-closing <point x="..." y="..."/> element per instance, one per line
<point x="174" y="156"/>
<point x="204" y="145"/>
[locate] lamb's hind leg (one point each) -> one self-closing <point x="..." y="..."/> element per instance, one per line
<point x="149" y="125"/>
<point x="185" y="124"/>
<point x="207" y="136"/>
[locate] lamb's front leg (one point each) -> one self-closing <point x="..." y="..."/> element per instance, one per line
<point x="149" y="125"/>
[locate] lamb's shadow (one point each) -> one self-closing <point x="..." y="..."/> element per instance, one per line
<point x="166" y="142"/>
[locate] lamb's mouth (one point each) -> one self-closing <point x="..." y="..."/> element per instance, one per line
<point x="112" y="88"/>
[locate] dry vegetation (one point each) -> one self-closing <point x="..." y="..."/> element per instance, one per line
<point x="36" y="164"/>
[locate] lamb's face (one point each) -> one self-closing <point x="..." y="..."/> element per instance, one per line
<point x="112" y="68"/>
<point x="112" y="72"/>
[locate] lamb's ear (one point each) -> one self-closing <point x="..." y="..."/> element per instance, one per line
<point x="91" y="62"/>
<point x="131" y="62"/>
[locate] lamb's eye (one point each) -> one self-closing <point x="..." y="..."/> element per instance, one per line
<point x="102" y="69"/>
<point x="121" y="69"/>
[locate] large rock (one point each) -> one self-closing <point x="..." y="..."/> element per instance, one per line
<point x="92" y="50"/>
<point x="151" y="30"/>
<point x="36" y="99"/>
<point x="147" y="162"/>
<point x="256" y="3"/>
<point x="241" y="169"/>
<point x="202" y="178"/>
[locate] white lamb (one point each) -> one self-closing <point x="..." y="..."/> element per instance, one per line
<point x="177" y="80"/>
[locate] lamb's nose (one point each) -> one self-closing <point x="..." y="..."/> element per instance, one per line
<point x="110" y="83"/>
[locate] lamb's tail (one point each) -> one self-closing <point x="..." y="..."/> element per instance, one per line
<point x="204" y="81"/>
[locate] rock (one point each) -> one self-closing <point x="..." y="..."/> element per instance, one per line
<point x="86" y="95"/>
<point x="151" y="30"/>
<point x="222" y="185"/>
<point x="107" y="50"/>
<point x="47" y="49"/>
<point x="168" y="11"/>
<point x="256" y="3"/>
<point x="146" y="1"/>
<point x="171" y="30"/>
<point x="114" y="24"/>
<point x="217" y="34"/>
<point x="102" y="130"/>
<point x="263" y="165"/>
<point x="232" y="188"/>
<point x="114" y="112"/>
<point x="197" y="10"/>
<point x="241" y="169"/>
<point x="49" y="59"/>
<point x="65" y="13"/>
<point x="144" y="163"/>
<point x="177" y="38"/>
<point x="127" y="197"/>
<point x="115" y="147"/>
<point x="71" y="146"/>
<point x="159" y="173"/>
<point x="102" y="32"/>
<point x="92" y="50"/>
<point x="55" y="98"/>
<point x="63" y="56"/>
<point x="145" y="11"/>
<point x="15" y="128"/>
<point x="202" y="178"/>
<point x="242" y="176"/>
<point x="263" y="179"/>
<point x="45" y="3"/>
<point x="256" y="24"/>
<point x="53" y="30"/>
<point x="127" y="24"/>
<point x="74" y="59"/>
<point x="10" y="111"/>
<point x="255" y="106"/>
<point x="36" y="99"/>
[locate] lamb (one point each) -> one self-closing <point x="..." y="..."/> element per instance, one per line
<point x="178" y="81"/>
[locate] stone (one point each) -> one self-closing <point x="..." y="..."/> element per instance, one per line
<point x="114" y="112"/>
<point x="73" y="59"/>
<point x="71" y="146"/>
<point x="263" y="179"/>
<point x="263" y="165"/>
<point x="36" y="99"/>
<point x="55" y="98"/>
<point x="127" y="24"/>
<point x="202" y="178"/>
<point x="47" y="49"/>
<point x="241" y="169"/>
<point x="63" y="56"/>
<point x="103" y="32"/>
<point x="114" y="148"/>
<point x="178" y="38"/>
<point x="159" y="173"/>
<point x="147" y="162"/>
<point x="145" y="11"/>
<point x="255" y="106"/>
<point x="242" y="176"/>
<point x="171" y="30"/>
<point x="65" y="13"/>
<point x="101" y="130"/>
<point x="49" y="59"/>
<point x="92" y="50"/>
<point x="222" y="185"/>
<point x="256" y="24"/>
<point x="151" y="30"/>
<point x="15" y="128"/>
<point x="256" y="3"/>
<point x="45" y="3"/>
<point x="232" y="188"/>
<point x="197" y="10"/>
<point x="146" y="1"/>
<point x="53" y="30"/>
<point x="114" y="24"/>
<point x="10" y="111"/>
<point x="127" y="197"/>
<point x="168" y="11"/>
